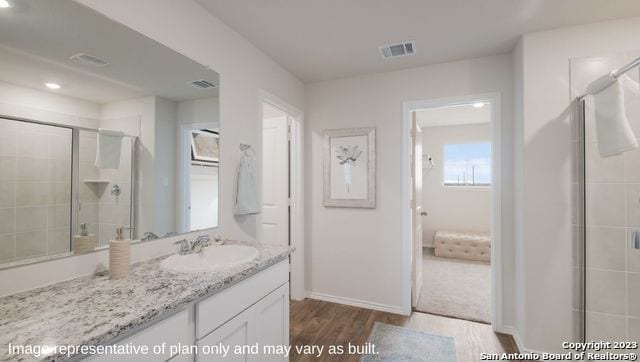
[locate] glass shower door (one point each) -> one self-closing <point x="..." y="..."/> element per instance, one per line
<point x="35" y="190"/>
<point x="607" y="215"/>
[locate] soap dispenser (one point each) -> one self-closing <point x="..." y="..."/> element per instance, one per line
<point x="119" y="255"/>
<point x="84" y="242"/>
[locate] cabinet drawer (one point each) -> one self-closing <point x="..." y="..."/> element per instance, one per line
<point x="171" y="330"/>
<point x="219" y="308"/>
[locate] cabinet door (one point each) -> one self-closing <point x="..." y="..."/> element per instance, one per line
<point x="262" y="330"/>
<point x="271" y="324"/>
<point x="235" y="332"/>
<point x="172" y="330"/>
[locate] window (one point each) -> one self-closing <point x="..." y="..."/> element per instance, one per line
<point x="467" y="164"/>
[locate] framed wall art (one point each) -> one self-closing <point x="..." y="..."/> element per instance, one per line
<point x="350" y="167"/>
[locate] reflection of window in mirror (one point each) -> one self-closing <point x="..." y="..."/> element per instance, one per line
<point x="204" y="147"/>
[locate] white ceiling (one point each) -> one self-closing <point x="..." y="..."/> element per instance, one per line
<point x="327" y="39"/>
<point x="453" y="116"/>
<point x="37" y="38"/>
<point x="30" y="71"/>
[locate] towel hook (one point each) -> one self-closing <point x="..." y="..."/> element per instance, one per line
<point x="246" y="148"/>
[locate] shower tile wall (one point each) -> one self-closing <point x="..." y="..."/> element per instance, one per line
<point x="612" y="214"/>
<point x="99" y="208"/>
<point x="35" y="190"/>
<point x="116" y="210"/>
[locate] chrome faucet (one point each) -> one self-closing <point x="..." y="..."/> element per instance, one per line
<point x="185" y="248"/>
<point x="149" y="236"/>
<point x="200" y="242"/>
<point x="193" y="247"/>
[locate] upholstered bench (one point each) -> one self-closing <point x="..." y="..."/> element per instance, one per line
<point x="463" y="245"/>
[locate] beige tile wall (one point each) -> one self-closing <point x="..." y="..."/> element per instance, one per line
<point x="35" y="190"/>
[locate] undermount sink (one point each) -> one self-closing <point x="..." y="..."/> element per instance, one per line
<point x="210" y="259"/>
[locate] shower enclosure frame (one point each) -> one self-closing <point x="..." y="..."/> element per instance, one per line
<point x="582" y="173"/>
<point x="75" y="177"/>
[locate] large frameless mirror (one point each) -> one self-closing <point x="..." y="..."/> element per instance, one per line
<point x="100" y="127"/>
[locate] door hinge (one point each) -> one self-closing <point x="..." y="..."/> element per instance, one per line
<point x="289" y="201"/>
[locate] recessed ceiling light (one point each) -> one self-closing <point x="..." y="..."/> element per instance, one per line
<point x="51" y="85"/>
<point x="4" y="4"/>
<point x="478" y="105"/>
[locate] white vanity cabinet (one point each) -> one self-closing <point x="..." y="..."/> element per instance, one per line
<point x="248" y="313"/>
<point x="253" y="311"/>
<point x="265" y="323"/>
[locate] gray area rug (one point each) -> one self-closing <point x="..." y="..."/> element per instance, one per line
<point x="402" y="344"/>
<point x="455" y="288"/>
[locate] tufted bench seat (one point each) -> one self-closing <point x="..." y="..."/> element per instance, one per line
<point x="463" y="245"/>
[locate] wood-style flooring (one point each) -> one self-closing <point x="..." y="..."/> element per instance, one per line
<point x="315" y="322"/>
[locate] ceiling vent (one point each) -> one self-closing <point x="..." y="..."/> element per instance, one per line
<point x="202" y="84"/>
<point x="397" y="50"/>
<point x="88" y="59"/>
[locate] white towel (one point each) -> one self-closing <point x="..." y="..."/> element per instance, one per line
<point x="109" y="146"/>
<point x="614" y="133"/>
<point x="247" y="194"/>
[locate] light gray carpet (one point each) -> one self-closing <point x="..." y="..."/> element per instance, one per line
<point x="401" y="344"/>
<point x="455" y="288"/>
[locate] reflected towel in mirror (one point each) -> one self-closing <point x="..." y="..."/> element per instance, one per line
<point x="108" y="151"/>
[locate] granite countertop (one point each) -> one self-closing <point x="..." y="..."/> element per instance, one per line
<point x="95" y="310"/>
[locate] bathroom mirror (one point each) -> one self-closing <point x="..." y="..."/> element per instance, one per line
<point x="100" y="127"/>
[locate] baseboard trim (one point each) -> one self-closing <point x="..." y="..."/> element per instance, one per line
<point x="356" y="303"/>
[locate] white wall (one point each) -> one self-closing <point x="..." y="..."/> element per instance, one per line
<point x="165" y="161"/>
<point x="544" y="229"/>
<point x="205" y="110"/>
<point x="243" y="69"/>
<point x="355" y="254"/>
<point x="452" y="208"/>
<point x="23" y="102"/>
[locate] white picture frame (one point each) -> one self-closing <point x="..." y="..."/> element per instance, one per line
<point x="350" y="168"/>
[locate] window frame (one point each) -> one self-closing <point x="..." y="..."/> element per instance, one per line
<point x="479" y="187"/>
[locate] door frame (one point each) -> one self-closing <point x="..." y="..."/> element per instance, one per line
<point x="296" y="186"/>
<point x="184" y="181"/>
<point x="494" y="100"/>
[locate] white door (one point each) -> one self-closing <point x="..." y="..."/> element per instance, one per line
<point x="275" y="178"/>
<point x="416" y="209"/>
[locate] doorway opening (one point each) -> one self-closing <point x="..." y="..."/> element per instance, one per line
<point x="282" y="217"/>
<point x="453" y="207"/>
<point x="199" y="160"/>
